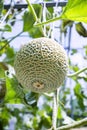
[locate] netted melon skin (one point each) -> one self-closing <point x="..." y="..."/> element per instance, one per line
<point x="41" y="65"/>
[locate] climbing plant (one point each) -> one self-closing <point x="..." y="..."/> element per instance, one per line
<point x="29" y="110"/>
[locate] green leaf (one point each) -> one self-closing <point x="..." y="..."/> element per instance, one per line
<point x="59" y="115"/>
<point x="2" y="90"/>
<point x="4" y="117"/>
<point x="45" y="119"/>
<point x="78" y="93"/>
<point x="77" y="90"/>
<point x="3" y="66"/>
<point x="65" y="24"/>
<point x="1" y="6"/>
<point x="2" y="72"/>
<point x="28" y="25"/>
<point x="35" y="122"/>
<point x="76" y="68"/>
<point x="31" y="98"/>
<point x="81" y="29"/>
<point x="10" y="55"/>
<point x="5" y="27"/>
<point x="76" y="10"/>
<point x="28" y="18"/>
<point x="74" y="51"/>
<point x="36" y="32"/>
<point x="10" y="91"/>
<point x="3" y="46"/>
<point x="14" y="93"/>
<point x="28" y="22"/>
<point x="8" y="28"/>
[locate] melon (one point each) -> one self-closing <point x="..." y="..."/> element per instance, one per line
<point x="41" y="65"/>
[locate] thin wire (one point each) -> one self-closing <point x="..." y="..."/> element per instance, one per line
<point x="56" y="93"/>
<point x="48" y="4"/>
<point x="11" y="7"/>
<point x="53" y="24"/>
<point x="44" y="17"/>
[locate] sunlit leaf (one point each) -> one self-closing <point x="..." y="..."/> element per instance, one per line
<point x="75" y="10"/>
<point x="35" y="122"/>
<point x="10" y="91"/>
<point x="59" y="115"/>
<point x="75" y="68"/>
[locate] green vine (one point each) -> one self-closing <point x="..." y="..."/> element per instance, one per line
<point x="77" y="73"/>
<point x="74" y="125"/>
<point x="32" y="9"/>
<point x="10" y="40"/>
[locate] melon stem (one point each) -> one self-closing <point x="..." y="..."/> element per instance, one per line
<point x="55" y="108"/>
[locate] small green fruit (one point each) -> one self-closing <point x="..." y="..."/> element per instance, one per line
<point x="41" y="65"/>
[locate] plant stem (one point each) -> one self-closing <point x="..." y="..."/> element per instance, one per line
<point x="48" y="21"/>
<point x="15" y="36"/>
<point x="77" y="73"/>
<point x="32" y="9"/>
<point x="10" y="40"/>
<point x="54" y="110"/>
<point x="74" y="125"/>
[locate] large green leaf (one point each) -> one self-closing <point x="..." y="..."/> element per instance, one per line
<point x="76" y="10"/>
<point x="28" y="18"/>
<point x="28" y="21"/>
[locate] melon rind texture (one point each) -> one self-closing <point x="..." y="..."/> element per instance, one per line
<point x="41" y="65"/>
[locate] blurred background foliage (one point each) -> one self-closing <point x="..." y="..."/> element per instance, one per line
<point x="21" y="110"/>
